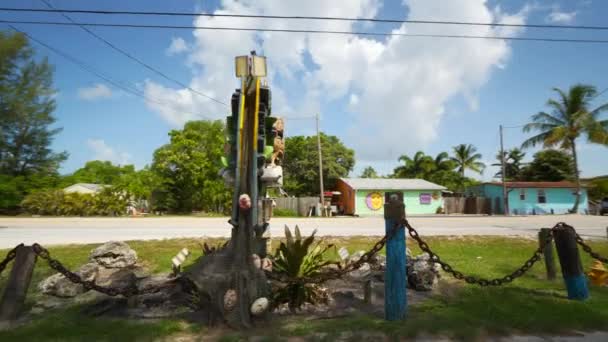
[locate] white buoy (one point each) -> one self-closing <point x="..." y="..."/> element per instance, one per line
<point x="259" y="306"/>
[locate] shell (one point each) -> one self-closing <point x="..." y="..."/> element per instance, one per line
<point x="259" y="306"/>
<point x="230" y="298"/>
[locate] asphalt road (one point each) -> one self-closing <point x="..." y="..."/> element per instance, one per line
<point x="50" y="231"/>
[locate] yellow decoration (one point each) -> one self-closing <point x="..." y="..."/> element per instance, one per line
<point x="598" y="274"/>
<point x="374" y="200"/>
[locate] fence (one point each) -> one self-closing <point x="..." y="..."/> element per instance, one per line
<point x="300" y="205"/>
<point x="469" y="205"/>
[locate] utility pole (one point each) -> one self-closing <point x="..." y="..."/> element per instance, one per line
<point x="320" y="162"/>
<point x="504" y="184"/>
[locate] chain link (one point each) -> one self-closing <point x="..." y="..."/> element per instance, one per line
<point x="75" y="278"/>
<point x="587" y="248"/>
<point x="12" y="254"/>
<point x="536" y="256"/>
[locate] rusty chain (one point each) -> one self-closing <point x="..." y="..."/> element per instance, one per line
<point x="12" y="254"/>
<point x="75" y="278"/>
<point x="477" y="280"/>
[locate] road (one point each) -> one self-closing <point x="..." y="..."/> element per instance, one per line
<point x="51" y="231"/>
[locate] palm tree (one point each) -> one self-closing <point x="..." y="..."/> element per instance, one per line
<point x="466" y="157"/>
<point x="416" y="167"/>
<point x="570" y="118"/>
<point x="513" y="164"/>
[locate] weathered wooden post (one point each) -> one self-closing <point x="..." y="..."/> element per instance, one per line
<point x="570" y="261"/>
<point x="18" y="283"/>
<point x="395" y="283"/>
<point x="547" y="249"/>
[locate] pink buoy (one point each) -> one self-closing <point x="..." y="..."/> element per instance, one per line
<point x="244" y="202"/>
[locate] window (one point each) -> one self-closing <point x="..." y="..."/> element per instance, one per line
<point x="542" y="197"/>
<point x="522" y="194"/>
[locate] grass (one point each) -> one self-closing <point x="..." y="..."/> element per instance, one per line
<point x="530" y="305"/>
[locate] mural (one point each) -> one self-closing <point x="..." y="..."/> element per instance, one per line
<point x="374" y="200"/>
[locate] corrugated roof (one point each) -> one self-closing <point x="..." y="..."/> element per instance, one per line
<point x="563" y="184"/>
<point x="90" y="186"/>
<point x="391" y="184"/>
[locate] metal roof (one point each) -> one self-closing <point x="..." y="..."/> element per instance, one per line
<point x="562" y="184"/>
<point x="90" y="186"/>
<point x="391" y="184"/>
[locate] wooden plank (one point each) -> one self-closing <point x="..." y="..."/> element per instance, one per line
<point x="395" y="285"/>
<point x="18" y="283"/>
<point x="547" y="250"/>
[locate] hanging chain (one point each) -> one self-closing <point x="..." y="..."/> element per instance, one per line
<point x="12" y="254"/>
<point x="536" y="256"/>
<point x="588" y="249"/>
<point x="75" y="278"/>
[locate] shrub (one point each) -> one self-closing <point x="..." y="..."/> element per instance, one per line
<point x="280" y="212"/>
<point x="296" y="259"/>
<point x="108" y="202"/>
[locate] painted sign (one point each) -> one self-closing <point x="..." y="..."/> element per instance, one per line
<point x="425" y="198"/>
<point x="374" y="201"/>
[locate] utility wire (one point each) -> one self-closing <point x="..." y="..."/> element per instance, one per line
<point x="362" y="33"/>
<point x="259" y="16"/>
<point x="137" y="60"/>
<point x="92" y="70"/>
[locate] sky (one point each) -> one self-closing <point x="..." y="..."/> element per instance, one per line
<point x="383" y="96"/>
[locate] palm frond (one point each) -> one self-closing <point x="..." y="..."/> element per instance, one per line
<point x="597" y="111"/>
<point x="542" y="117"/>
<point x="538" y="139"/>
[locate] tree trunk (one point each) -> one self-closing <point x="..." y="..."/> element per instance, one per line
<point x="577" y="179"/>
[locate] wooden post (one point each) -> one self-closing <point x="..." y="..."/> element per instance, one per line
<point x="368" y="288"/>
<point x="395" y="298"/>
<point x="543" y="235"/>
<point x="18" y="283"/>
<point x="570" y="261"/>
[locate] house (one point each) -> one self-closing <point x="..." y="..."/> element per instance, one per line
<point x="530" y="198"/>
<point x="366" y="196"/>
<point x="85" y="188"/>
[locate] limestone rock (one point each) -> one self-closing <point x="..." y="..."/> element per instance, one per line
<point x="422" y="273"/>
<point x="114" y="254"/>
<point x="355" y="256"/>
<point x="59" y="286"/>
<point x="361" y="273"/>
<point x="116" y="277"/>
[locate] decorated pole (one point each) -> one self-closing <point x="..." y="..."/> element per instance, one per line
<point x="570" y="261"/>
<point x="395" y="297"/>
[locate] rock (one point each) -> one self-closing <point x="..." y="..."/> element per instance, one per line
<point x="355" y="256"/>
<point x="116" y="277"/>
<point x="362" y="272"/>
<point x="114" y="254"/>
<point x="154" y="281"/>
<point x="59" y="286"/>
<point x="422" y="273"/>
<point x="259" y="306"/>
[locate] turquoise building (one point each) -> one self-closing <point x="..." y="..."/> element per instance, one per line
<point x="532" y="198"/>
<point x="366" y="196"/>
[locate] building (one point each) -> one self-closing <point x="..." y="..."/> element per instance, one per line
<point x="532" y="198"/>
<point x="84" y="188"/>
<point x="365" y="196"/>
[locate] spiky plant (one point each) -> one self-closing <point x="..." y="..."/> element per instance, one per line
<point x="296" y="260"/>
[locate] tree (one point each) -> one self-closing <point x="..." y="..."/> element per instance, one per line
<point x="466" y="157"/>
<point x="417" y="167"/>
<point x="188" y="167"/>
<point x="100" y="172"/>
<point x="26" y="106"/>
<point x="301" y="164"/>
<point x="549" y="166"/>
<point x="513" y="164"/>
<point x="570" y="118"/>
<point x="369" y="172"/>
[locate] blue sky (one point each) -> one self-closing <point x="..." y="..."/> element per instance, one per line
<point x="382" y="96"/>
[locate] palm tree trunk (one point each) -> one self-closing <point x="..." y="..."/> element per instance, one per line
<point x="577" y="180"/>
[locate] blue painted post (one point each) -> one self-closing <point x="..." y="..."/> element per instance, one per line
<point x="395" y="281"/>
<point x="570" y="261"/>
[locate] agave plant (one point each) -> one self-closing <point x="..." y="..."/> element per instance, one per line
<point x="297" y="259"/>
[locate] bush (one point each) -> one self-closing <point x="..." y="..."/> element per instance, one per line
<point x="280" y="212"/>
<point x="296" y="259"/>
<point x="55" y="202"/>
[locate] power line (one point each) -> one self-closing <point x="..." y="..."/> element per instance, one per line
<point x="259" y="16"/>
<point x="137" y="60"/>
<point x="92" y="70"/>
<point x="362" y="33"/>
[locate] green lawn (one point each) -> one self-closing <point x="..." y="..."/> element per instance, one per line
<point x="530" y="305"/>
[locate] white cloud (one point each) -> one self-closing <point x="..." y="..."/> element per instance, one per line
<point x="402" y="84"/>
<point x="559" y="17"/>
<point x="96" y="92"/>
<point x="178" y="45"/>
<point x="102" y="151"/>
